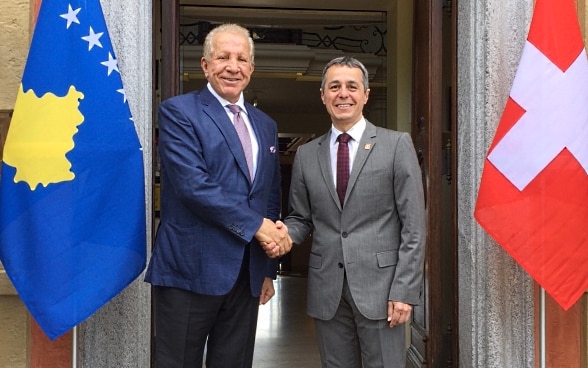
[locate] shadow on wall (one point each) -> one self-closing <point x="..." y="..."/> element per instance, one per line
<point x="5" y="116"/>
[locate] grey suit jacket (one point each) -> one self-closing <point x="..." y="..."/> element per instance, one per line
<point x="377" y="238"/>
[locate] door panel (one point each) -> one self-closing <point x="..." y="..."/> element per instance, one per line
<point x="433" y="337"/>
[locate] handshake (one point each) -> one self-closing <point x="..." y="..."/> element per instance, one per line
<point x="274" y="238"/>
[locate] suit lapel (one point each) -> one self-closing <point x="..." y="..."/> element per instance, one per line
<point x="219" y="116"/>
<point x="365" y="147"/>
<point x="324" y="159"/>
<point x="263" y="142"/>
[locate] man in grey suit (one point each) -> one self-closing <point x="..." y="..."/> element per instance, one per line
<point x="366" y="262"/>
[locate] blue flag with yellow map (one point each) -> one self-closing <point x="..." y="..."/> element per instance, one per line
<point x="72" y="193"/>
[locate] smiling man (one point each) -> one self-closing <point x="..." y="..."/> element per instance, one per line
<point x="358" y="188"/>
<point x="220" y="196"/>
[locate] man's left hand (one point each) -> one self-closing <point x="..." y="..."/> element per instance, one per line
<point x="398" y="313"/>
<point x="267" y="290"/>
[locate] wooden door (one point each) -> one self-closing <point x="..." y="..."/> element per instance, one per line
<point x="434" y="324"/>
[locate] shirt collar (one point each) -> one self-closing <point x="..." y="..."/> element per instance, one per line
<point x="240" y="102"/>
<point x="355" y="132"/>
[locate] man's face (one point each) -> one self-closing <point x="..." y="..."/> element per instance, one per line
<point x="344" y="95"/>
<point x="229" y="68"/>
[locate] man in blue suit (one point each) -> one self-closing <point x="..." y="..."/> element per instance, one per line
<point x="208" y="270"/>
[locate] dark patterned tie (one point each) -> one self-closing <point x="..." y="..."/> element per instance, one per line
<point x="342" y="165"/>
<point x="243" y="134"/>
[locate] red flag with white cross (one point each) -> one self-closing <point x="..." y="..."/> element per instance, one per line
<point x="533" y="196"/>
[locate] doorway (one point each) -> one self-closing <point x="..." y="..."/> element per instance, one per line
<point x="409" y="83"/>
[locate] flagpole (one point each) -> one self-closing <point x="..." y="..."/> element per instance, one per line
<point x="74" y="347"/>
<point x="542" y="328"/>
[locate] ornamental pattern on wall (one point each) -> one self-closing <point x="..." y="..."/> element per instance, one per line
<point x="370" y="39"/>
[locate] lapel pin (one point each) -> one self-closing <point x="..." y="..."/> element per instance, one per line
<point x="367" y="146"/>
<point x="273" y="149"/>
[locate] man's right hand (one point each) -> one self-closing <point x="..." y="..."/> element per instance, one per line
<point x="274" y="238"/>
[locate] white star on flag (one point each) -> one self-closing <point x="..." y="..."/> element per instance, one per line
<point x="93" y="39"/>
<point x="71" y="16"/>
<point x="122" y="91"/>
<point x="111" y="63"/>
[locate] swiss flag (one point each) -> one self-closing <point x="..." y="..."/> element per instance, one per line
<point x="533" y="197"/>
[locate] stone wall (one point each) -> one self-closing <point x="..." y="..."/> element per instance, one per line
<point x="14" y="42"/>
<point x="13" y="334"/>
<point x="496" y="297"/>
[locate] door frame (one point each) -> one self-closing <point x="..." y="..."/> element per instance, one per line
<point x="434" y="328"/>
<point x="432" y="345"/>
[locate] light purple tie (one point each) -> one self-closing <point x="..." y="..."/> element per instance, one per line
<point x="243" y="134"/>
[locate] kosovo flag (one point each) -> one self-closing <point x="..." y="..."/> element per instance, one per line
<point x="72" y="198"/>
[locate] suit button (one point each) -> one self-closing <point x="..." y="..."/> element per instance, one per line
<point x="344" y="234"/>
<point x="340" y="265"/>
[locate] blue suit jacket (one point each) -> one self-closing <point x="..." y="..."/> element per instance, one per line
<point x="210" y="210"/>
